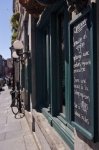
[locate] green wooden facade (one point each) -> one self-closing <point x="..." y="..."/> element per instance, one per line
<point x="54" y="85"/>
<point x="52" y="67"/>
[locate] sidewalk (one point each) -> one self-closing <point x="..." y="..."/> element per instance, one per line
<point x="14" y="133"/>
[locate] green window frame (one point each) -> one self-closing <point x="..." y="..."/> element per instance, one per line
<point x="55" y="115"/>
<point x="47" y="53"/>
<point x="47" y="69"/>
<point x="55" y="49"/>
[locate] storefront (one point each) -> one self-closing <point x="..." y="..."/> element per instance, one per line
<point x="64" y="60"/>
<point x="66" y="74"/>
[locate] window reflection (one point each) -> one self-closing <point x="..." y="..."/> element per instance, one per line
<point x="61" y="64"/>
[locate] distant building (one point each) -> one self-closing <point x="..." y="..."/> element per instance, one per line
<point x="5" y="66"/>
<point x="1" y="66"/>
<point x="8" y="67"/>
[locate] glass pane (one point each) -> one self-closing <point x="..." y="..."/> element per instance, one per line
<point x="61" y="64"/>
<point x="48" y="69"/>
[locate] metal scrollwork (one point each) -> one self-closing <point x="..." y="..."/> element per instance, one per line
<point x="76" y="5"/>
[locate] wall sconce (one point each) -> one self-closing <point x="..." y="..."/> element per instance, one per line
<point x="18" y="51"/>
<point x="18" y="46"/>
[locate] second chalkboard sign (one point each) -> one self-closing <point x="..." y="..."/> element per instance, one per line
<point x="82" y="74"/>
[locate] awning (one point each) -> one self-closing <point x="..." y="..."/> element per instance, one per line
<point x="47" y="2"/>
<point x="32" y="7"/>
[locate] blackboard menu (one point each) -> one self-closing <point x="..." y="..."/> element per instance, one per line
<point x="82" y="73"/>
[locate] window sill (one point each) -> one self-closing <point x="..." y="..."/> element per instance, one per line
<point x="63" y="128"/>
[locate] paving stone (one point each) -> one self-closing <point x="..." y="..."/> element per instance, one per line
<point x="13" y="126"/>
<point x="2" y="136"/>
<point x="30" y="142"/>
<point x="11" y="119"/>
<point x="2" y="128"/>
<point x="14" y="133"/>
<point x="24" y="124"/>
<point x="3" y="119"/>
<point x="13" y="144"/>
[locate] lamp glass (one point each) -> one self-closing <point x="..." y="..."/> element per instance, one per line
<point x="18" y="45"/>
<point x="14" y="55"/>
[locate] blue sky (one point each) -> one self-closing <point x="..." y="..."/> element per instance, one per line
<point x="5" y="27"/>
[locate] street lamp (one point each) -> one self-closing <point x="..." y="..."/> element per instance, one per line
<point x="18" y="46"/>
<point x="20" y="56"/>
<point x="17" y="52"/>
<point x="14" y="56"/>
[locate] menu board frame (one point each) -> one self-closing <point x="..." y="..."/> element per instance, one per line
<point x="79" y="122"/>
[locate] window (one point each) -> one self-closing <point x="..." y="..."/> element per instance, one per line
<point x="55" y="65"/>
<point x="56" y="49"/>
<point x="47" y="47"/>
<point x="61" y="63"/>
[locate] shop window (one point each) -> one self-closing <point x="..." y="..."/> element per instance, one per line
<point x="47" y="40"/>
<point x="57" y="74"/>
<point x="61" y="63"/>
<point x="55" y="65"/>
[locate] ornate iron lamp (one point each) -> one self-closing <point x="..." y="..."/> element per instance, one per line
<point x="77" y="5"/>
<point x="18" y="51"/>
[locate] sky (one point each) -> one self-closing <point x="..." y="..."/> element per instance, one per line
<point x="6" y="11"/>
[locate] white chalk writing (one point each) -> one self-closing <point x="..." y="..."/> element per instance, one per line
<point x="80" y="26"/>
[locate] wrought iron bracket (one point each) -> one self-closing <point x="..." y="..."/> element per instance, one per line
<point x="76" y="5"/>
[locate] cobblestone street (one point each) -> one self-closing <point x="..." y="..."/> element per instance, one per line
<point x="14" y="133"/>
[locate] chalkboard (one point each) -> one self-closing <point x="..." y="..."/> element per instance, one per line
<point x="82" y="74"/>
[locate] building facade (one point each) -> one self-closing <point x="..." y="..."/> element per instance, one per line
<point x="59" y="79"/>
<point x="1" y="66"/>
<point x="5" y="67"/>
